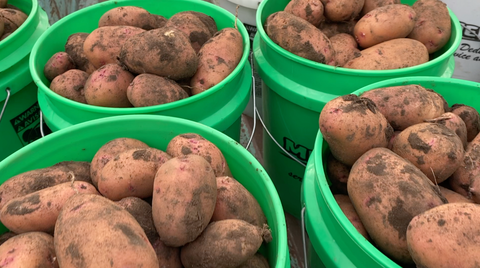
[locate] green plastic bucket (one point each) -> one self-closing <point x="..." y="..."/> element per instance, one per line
<point x="81" y="141"/>
<point x="294" y="91"/>
<point x="219" y="107"/>
<point x="334" y="241"/>
<point x="20" y="122"/>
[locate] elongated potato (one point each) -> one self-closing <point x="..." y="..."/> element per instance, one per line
<point x="184" y="197"/>
<point x="437" y="236"/>
<point x="218" y="57"/>
<point x="299" y="37"/>
<point x="74" y="48"/>
<point x="453" y="197"/>
<point x="309" y="10"/>
<point x="463" y="179"/>
<point x="38" y="179"/>
<point x="387" y="191"/>
<point x="392" y="54"/>
<point x="383" y="24"/>
<point x="130" y="16"/>
<point x="342" y="10"/>
<point x="347" y="208"/>
<point x="38" y="211"/>
<point x="150" y="89"/>
<point x="330" y="28"/>
<point x="32" y="249"/>
<point x="89" y="224"/>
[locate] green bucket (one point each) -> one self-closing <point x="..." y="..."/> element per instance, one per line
<point x="19" y="116"/>
<point x="294" y="91"/>
<point x="219" y="107"/>
<point x="334" y="241"/>
<point x="80" y="142"/>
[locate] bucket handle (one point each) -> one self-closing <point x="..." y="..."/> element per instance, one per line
<point x="304" y="240"/>
<point x="41" y="125"/>
<point x="5" y="104"/>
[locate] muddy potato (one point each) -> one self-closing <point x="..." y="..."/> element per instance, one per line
<point x="129" y="16"/>
<point x="184" y="196"/>
<point x="38" y="211"/>
<point x="141" y="210"/>
<point x="3" y="3"/>
<point x="12" y="19"/>
<point x="107" y="86"/>
<point x="4" y="36"/>
<point x="387" y="191"/>
<point x="71" y="85"/>
<point x="108" y="151"/>
<point x="5" y="236"/>
<point x="59" y="63"/>
<point x="309" y="10"/>
<point x="2" y="26"/>
<point x="346" y="48"/>
<point x="452" y="196"/>
<point x="89" y="224"/>
<point x="330" y="28"/>
<point x="342" y="10"/>
<point x="149" y="89"/>
<point x="453" y="122"/>
<point x="165" y="52"/>
<point x="370" y="5"/>
<point x="38" y="179"/>
<point x="74" y="48"/>
<point x="131" y="173"/>
<point x="256" y="261"/>
<point x="32" y="249"/>
<point x="466" y="178"/>
<point x="347" y="208"/>
<point x="392" y="54"/>
<point x="168" y="257"/>
<point x="433" y="26"/>
<point x="470" y="117"/>
<point x="291" y="33"/>
<point x="337" y="173"/>
<point x="383" y="24"/>
<point x="192" y="143"/>
<point x="351" y="126"/>
<point x="102" y="46"/>
<point x="437" y="237"/>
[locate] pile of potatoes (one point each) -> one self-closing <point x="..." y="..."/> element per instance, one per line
<point x="404" y="167"/>
<point x="361" y="34"/>
<point x="11" y="18"/>
<point x="133" y="205"/>
<point x="138" y="59"/>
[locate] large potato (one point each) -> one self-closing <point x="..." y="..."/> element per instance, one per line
<point x="131" y="16"/>
<point x="389" y="55"/>
<point x="71" y="85"/>
<point x="299" y="37"/>
<point x="32" y="249"/>
<point x="330" y="28"/>
<point x="150" y="89"/>
<point x="309" y="10"/>
<point x="346" y="48"/>
<point x="342" y="10"/>
<point x="387" y="191"/>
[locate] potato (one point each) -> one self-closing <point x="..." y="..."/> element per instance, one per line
<point x="383" y="24"/>
<point x="392" y="139"/>
<point x="437" y="237"/>
<point x="2" y="26"/>
<point x="452" y="196"/>
<point x="256" y="261"/>
<point x="130" y="16"/>
<point x="454" y="123"/>
<point x="470" y="117"/>
<point x="370" y="5"/>
<point x="3" y="3"/>
<point x="74" y="48"/>
<point x="309" y="10"/>
<point x="150" y="89"/>
<point x="5" y="236"/>
<point x="346" y="48"/>
<point x="38" y="179"/>
<point x="342" y="10"/>
<point x="4" y="36"/>
<point x="89" y="224"/>
<point x="217" y="58"/>
<point x="32" y="249"/>
<point x="107" y="86"/>
<point x="142" y="212"/>
<point x="407" y="105"/>
<point x="337" y="173"/>
<point x="38" y="211"/>
<point x="234" y="201"/>
<point x="433" y="148"/>
<point x="59" y="63"/>
<point x="330" y="28"/>
<point x="433" y="27"/>
<point x="12" y="19"/>
<point x="184" y="197"/>
<point x="389" y="55"/>
<point x="131" y="173"/>
<point x="299" y="37"/>
<point x="463" y="179"/>
<point x="108" y="151"/>
<point x="165" y="52"/>
<point x="71" y="85"/>
<point x="192" y="25"/>
<point x="387" y="191"/>
<point x="102" y="46"/>
<point x="167" y="256"/>
<point x="227" y="243"/>
<point x="347" y="208"/>
<point x="352" y="125"/>
<point x="192" y="143"/>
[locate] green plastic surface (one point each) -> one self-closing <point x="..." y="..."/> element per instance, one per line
<point x="219" y="107"/>
<point x="295" y="90"/>
<point x="81" y="141"/>
<point x="335" y="240"/>
<point x="15" y="76"/>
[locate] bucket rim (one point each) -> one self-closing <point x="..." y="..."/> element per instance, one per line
<point x="136" y="110"/>
<point x="28" y="21"/>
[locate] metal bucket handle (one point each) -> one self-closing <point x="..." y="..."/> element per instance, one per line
<point x="5" y="104"/>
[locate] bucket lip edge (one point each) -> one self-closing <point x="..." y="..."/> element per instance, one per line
<point x="347" y="71"/>
<point x="134" y="110"/>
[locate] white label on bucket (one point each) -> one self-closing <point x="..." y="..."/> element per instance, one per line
<point x="27" y="124"/>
